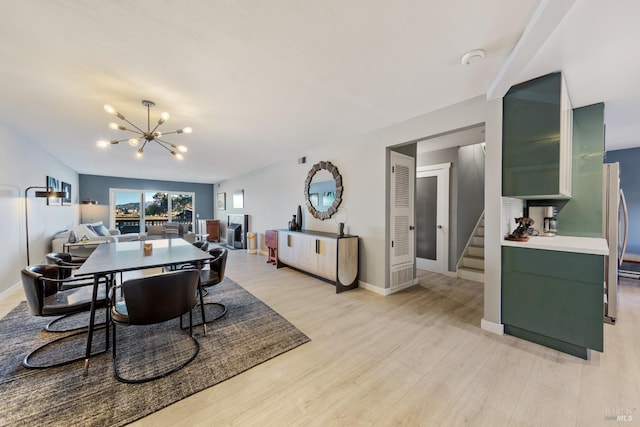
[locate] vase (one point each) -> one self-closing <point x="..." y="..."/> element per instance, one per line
<point x="299" y="216"/>
<point x="293" y="224"/>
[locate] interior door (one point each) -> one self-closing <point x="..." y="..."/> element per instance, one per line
<point x="432" y="217"/>
<point x="401" y="213"/>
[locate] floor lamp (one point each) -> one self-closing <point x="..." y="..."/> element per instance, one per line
<point x="50" y="192"/>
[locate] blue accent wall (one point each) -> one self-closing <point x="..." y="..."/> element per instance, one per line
<point x="97" y="187"/>
<point x="629" y="160"/>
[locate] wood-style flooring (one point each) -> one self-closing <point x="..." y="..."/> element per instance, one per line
<point x="415" y="358"/>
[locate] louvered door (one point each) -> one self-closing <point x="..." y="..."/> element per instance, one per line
<point x="403" y="173"/>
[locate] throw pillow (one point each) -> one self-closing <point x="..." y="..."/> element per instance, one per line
<point x="100" y="229"/>
<point x="82" y="230"/>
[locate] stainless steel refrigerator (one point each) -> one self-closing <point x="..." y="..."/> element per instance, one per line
<point x="615" y="229"/>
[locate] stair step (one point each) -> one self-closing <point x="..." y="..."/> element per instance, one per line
<point x="479" y="231"/>
<point x="473" y="262"/>
<point x="471" y="274"/>
<point x="476" y="251"/>
<point x="477" y="241"/>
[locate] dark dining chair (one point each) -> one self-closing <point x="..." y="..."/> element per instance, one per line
<point x="155" y="299"/>
<point x="49" y="296"/>
<point x="66" y="267"/>
<point x="211" y="274"/>
<point x="217" y="265"/>
<point x="201" y="244"/>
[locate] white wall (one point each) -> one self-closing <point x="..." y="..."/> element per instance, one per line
<point x="273" y="193"/>
<point x="22" y="166"/>
<point x="492" y="217"/>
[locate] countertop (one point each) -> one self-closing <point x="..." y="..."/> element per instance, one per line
<point x="583" y="245"/>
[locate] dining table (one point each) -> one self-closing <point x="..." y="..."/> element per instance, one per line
<point x="111" y="258"/>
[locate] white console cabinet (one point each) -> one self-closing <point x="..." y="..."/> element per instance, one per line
<point x="324" y="255"/>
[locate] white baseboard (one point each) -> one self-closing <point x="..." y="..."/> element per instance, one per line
<point x="389" y="291"/>
<point x="5" y="294"/>
<point x="386" y="291"/>
<point x="370" y="287"/>
<point x="496" y="328"/>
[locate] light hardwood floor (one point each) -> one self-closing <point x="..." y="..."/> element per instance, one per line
<point x="417" y="357"/>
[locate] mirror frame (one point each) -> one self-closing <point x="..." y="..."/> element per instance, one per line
<point x="336" y="202"/>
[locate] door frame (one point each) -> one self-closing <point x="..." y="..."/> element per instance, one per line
<point x="441" y="263"/>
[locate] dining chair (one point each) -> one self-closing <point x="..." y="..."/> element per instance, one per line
<point x="212" y="273"/>
<point x="151" y="300"/>
<point x="201" y="244"/>
<point x="66" y="267"/>
<point x="49" y="296"/>
<point x="217" y="265"/>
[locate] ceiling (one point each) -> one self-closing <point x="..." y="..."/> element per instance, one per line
<point x="261" y="81"/>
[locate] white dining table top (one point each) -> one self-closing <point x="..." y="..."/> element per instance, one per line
<point x="126" y="256"/>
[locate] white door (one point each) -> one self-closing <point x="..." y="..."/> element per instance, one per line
<point x="402" y="236"/>
<point x="432" y="217"/>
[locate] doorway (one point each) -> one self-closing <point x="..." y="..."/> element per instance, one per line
<point x="432" y="217"/>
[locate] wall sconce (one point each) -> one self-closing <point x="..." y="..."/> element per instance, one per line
<point x="49" y="193"/>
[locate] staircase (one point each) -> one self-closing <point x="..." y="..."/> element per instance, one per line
<point x="471" y="265"/>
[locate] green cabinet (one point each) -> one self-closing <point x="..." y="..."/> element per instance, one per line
<point x="554" y="298"/>
<point x="536" y="140"/>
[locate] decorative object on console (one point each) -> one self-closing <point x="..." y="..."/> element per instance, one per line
<point x="341" y="218"/>
<point x="148" y="135"/>
<point x="49" y="193"/>
<point x="293" y="224"/>
<point x="521" y="233"/>
<point x="299" y="218"/>
<point x="324" y="179"/>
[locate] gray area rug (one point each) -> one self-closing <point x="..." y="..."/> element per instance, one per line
<point x="248" y="334"/>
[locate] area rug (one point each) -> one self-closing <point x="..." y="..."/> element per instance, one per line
<point x="248" y="334"/>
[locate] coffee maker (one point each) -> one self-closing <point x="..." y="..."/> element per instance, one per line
<point x="545" y="219"/>
<point x="550" y="223"/>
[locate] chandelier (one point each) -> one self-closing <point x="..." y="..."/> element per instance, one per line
<point x="145" y="136"/>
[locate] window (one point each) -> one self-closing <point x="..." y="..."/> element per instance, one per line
<point x="131" y="211"/>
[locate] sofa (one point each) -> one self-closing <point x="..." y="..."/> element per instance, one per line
<point x="95" y="233"/>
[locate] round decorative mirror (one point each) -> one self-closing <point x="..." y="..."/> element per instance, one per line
<point x="323" y="190"/>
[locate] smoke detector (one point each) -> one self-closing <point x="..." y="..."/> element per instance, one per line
<point x="472" y="56"/>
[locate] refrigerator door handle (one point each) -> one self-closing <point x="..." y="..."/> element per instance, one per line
<point x="625" y="213"/>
